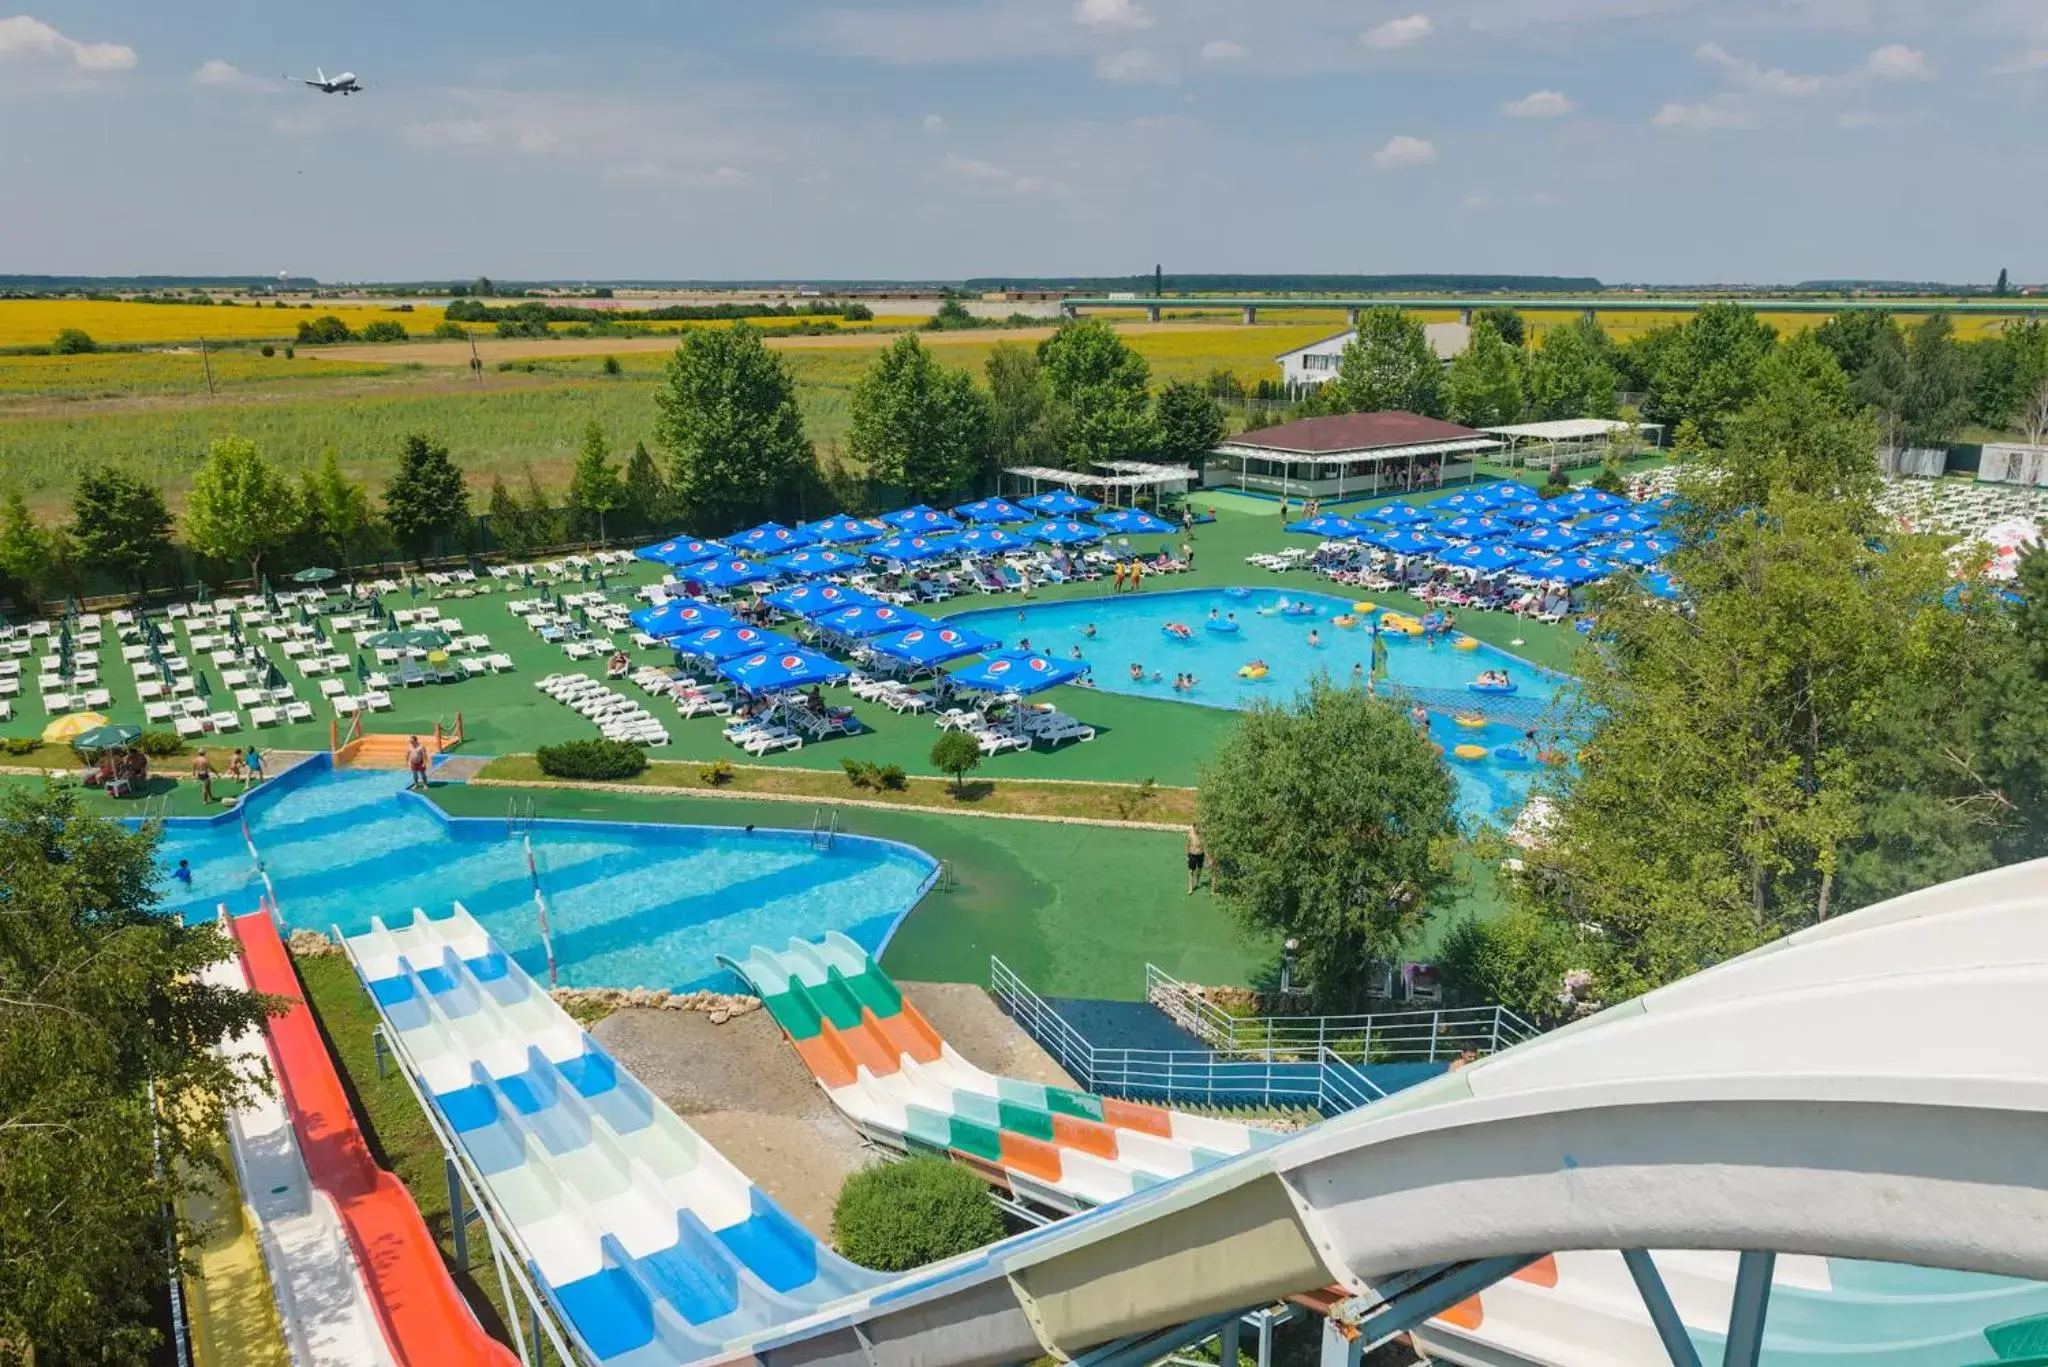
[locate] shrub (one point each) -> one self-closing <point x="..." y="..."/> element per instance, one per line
<point x="718" y="773"/>
<point x="160" y="743"/>
<point x="859" y="772"/>
<point x="611" y="365"/>
<point x="290" y="352"/>
<point x="73" y="342"/>
<point x="956" y="753"/>
<point x="384" y="330"/>
<point x="891" y="776"/>
<point x="324" y="330"/>
<point x="269" y="350"/>
<point x="451" y="330"/>
<point x="898" y="1216"/>
<point x="591" y="759"/>
<point x="20" y="745"/>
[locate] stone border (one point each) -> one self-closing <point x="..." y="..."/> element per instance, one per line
<point x="667" y="790"/>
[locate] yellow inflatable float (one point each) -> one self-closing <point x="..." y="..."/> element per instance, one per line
<point x="1344" y="621"/>
<point x="1470" y="752"/>
<point x="1465" y="643"/>
<point x="1363" y="609"/>
<point x="1252" y="672"/>
<point x="1401" y="622"/>
<point x="1470" y="720"/>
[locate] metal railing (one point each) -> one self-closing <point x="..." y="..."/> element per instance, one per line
<point x="1431" y="1035"/>
<point x="1322" y="1081"/>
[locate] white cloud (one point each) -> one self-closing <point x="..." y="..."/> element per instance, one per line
<point x="1716" y="113"/>
<point x="1110" y="15"/>
<point x="1223" y="50"/>
<point x="1398" y="33"/>
<point x="1898" y="63"/>
<point x="1136" y="65"/>
<point x="1747" y="75"/>
<point x="2024" y="64"/>
<point x="1404" y="151"/>
<point x="934" y="124"/>
<point x="1543" y="104"/>
<point x="974" y="170"/>
<point x="24" y="35"/>
<point x="222" y="75"/>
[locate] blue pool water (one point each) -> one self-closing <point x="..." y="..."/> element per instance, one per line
<point x="629" y="905"/>
<point x="1130" y="630"/>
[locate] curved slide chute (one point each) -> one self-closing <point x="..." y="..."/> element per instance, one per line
<point x="424" y="1320"/>
<point x="889" y="1072"/>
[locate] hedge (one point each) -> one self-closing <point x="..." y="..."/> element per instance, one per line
<point x="591" y="759"/>
<point x="898" y="1216"/>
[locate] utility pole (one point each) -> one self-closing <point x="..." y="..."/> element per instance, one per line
<point x="476" y="362"/>
<point x="206" y="361"/>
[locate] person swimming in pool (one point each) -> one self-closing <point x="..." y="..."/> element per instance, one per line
<point x="1088" y="631"/>
<point x="1214" y="614"/>
<point x="1357" y="673"/>
<point x="1420" y="716"/>
<point x="1315" y="638"/>
<point x="1137" y="672"/>
<point x="1077" y="652"/>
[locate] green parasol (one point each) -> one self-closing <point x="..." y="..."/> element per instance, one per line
<point x="419" y="638"/>
<point x="314" y="575"/>
<point x="112" y="736"/>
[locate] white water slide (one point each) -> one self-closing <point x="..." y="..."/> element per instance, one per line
<point x="1784" y="1130"/>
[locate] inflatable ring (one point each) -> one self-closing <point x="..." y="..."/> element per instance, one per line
<point x="1223" y="624"/>
<point x="1251" y="672"/>
<point x="1299" y="610"/>
<point x="1176" y="631"/>
<point x="1509" y="755"/>
<point x="1236" y="592"/>
<point x="1469" y="720"/>
<point x="1470" y="752"/>
<point x="1347" y="620"/>
<point x="1478" y="687"/>
<point x="1362" y="608"/>
<point x="1465" y="643"/>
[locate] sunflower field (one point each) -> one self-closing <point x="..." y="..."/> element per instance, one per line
<point x="35" y="322"/>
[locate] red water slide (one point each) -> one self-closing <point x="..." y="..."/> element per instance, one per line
<point x="425" y="1319"/>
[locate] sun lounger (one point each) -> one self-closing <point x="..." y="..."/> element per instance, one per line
<point x="156" y="712"/>
<point x="377" y="700"/>
<point x="260" y="717"/>
<point x="296" y="711"/>
<point x="98" y="697"/>
<point x="994" y="742"/>
<point x="190" y="726"/>
<point x="410" y="675"/>
<point x="226" y="721"/>
<point x="346" y="706"/>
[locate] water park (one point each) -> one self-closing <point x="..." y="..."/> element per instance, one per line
<point x="625" y="1034"/>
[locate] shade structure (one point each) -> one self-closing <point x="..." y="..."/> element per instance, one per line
<point x="864" y="620"/>
<point x="840" y="531"/>
<point x="1507" y="493"/>
<point x="1135" y="522"/>
<point x="921" y="519"/>
<point x="681" y="551"/>
<point x="1472" y="527"/>
<point x="729" y="643"/>
<point x="77" y="724"/>
<point x="1587" y="499"/>
<point x="1465" y="501"/>
<point x="109" y="737"/>
<point x="1568" y="569"/>
<point x="1666" y="502"/>
<point x="770" y="538"/>
<point x="990" y="510"/>
<point x="1533" y="513"/>
<point x="680" y="616"/>
<point x="1058" y="503"/>
<point x="988" y="540"/>
<point x="1621" y="520"/>
<point x="909" y="550"/>
<point x="932" y="645"/>
<point x="1064" y="532"/>
<point x="813" y="561"/>
<point x="315" y="574"/>
<point x="1017" y="671"/>
<point x="1483" y="557"/>
<point x="815" y="600"/>
<point x="1410" y="541"/>
<point x="727" y="574"/>
<point x="1397" y="514"/>
<point x="1632" y="551"/>
<point x="1662" y="586"/>
<point x="1548" y="539"/>
<point x="412" y="638"/>
<point x="1327" y="525"/>
<point x="773" y="671"/>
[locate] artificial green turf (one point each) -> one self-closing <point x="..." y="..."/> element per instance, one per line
<point x="1074" y="910"/>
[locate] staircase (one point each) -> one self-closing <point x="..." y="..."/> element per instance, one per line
<point x="373" y="750"/>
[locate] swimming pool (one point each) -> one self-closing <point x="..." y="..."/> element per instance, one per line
<point x="1130" y="630"/>
<point x="629" y="905"/>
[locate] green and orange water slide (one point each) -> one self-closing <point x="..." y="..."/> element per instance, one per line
<point x="902" y="1085"/>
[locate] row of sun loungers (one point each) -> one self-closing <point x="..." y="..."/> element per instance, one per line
<point x="617" y="716"/>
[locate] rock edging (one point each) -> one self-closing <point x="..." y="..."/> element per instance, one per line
<point x="720" y="1006"/>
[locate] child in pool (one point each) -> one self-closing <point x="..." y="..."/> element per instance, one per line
<point x="1137" y="672"/>
<point x="1088" y="631"/>
<point x="1315" y="639"/>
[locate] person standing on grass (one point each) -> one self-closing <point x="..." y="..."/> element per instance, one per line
<point x="255" y="763"/>
<point x="237" y="771"/>
<point x="1283" y="507"/>
<point x="202" y="770"/>
<point x="1187" y="553"/>
<point x="1197" y="857"/>
<point x="416" y="760"/>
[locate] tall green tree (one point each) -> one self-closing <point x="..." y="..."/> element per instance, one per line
<point x="1331" y="822"/>
<point x="29" y="552"/>
<point x="1101" y="384"/>
<point x="1504" y="321"/>
<point x="1190" y="423"/>
<point x="1484" y="387"/>
<point x="107" y="1029"/>
<point x="1704" y="369"/>
<point x="1938" y="383"/>
<point x="1388" y="365"/>
<point x="120" y="526"/>
<point x="338" y="515"/>
<point x="1803" y="433"/>
<point x="917" y="425"/>
<point x="1572" y="374"/>
<point x="726" y="410"/>
<point x="645" y="493"/>
<point x="241" y="506"/>
<point x="594" y="488"/>
<point x="426" y="498"/>
<point x="1025" y="426"/>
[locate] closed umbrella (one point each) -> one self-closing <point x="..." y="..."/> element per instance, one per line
<point x="273" y="677"/>
<point x="362" y="666"/>
<point x="199" y="684"/>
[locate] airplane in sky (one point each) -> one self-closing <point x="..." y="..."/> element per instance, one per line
<point x="344" y="84"/>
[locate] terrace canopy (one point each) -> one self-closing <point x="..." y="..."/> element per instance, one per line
<point x="774" y="672"/>
<point x="1059" y="503"/>
<point x="1471" y="527"/>
<point x="1348" y="455"/>
<point x="921" y="519"/>
<point x="1550" y="540"/>
<point x="813" y="561"/>
<point x="1622" y="520"/>
<point x="769" y="538"/>
<point x="992" y="510"/>
<point x="840" y="531"/>
<point x="1568" y="570"/>
<point x="988" y="540"/>
<point x="1328" y="525"/>
<point x="815" y="600"/>
<point x="864" y="620"/>
<point x="682" y="551"/>
<point x="1481" y="557"/>
<point x="908" y="550"/>
<point x="1064" y="532"/>
<point x="932" y="645"/>
<point x="1566" y="441"/>
<point x="726" y="574"/>
<point x="1017" y="671"/>
<point x="729" y="643"/>
<point x="1396" y="514"/>
<point x="1133" y="521"/>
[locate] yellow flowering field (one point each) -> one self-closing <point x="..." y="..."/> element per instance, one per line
<point x="36" y="322"/>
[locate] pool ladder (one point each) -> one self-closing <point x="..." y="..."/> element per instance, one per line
<point x="824" y="828"/>
<point x="519" y="816"/>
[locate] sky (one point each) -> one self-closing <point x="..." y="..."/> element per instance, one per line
<point x="1662" y="141"/>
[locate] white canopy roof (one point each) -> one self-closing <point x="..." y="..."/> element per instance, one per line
<point x="1135" y="475"/>
<point x="1562" y="429"/>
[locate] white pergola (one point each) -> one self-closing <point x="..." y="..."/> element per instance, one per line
<point x="1566" y="437"/>
<point x="1131" y="475"/>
